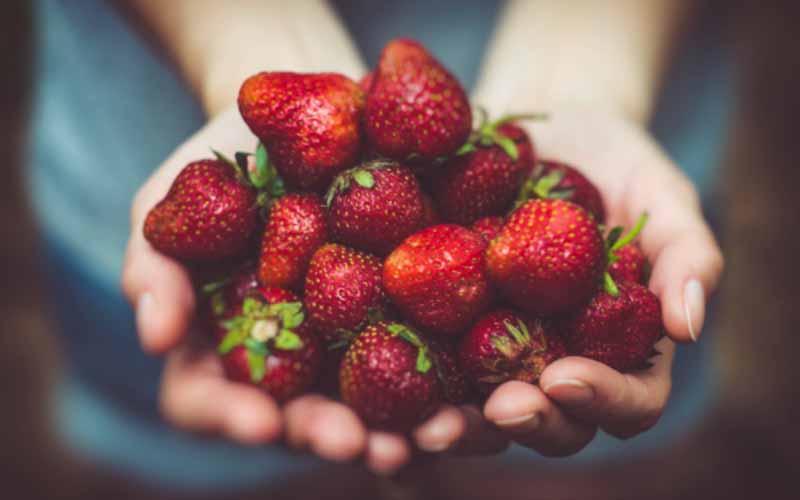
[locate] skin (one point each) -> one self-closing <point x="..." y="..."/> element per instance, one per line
<point x="598" y="104"/>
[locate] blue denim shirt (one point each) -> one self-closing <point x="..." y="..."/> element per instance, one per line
<point x="108" y="109"/>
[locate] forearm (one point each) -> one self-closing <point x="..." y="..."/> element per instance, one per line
<point x="218" y="44"/>
<point x="579" y="53"/>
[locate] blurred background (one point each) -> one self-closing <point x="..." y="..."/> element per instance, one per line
<point x="747" y="446"/>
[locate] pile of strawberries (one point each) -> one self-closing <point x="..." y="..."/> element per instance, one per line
<point x="377" y="248"/>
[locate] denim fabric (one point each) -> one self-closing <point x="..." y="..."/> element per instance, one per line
<point x="108" y="109"/>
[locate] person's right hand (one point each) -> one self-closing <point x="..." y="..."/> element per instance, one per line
<point x="196" y="396"/>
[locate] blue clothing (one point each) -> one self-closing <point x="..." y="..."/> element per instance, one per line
<point x="108" y="109"/>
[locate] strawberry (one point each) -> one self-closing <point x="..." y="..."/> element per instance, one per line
<point x="387" y="376"/>
<point x="504" y="345"/>
<point x="343" y="291"/>
<point x="454" y="384"/>
<point x="437" y="278"/>
<point x="488" y="227"/>
<point x="415" y="107"/>
<point x="630" y="266"/>
<point x="484" y="178"/>
<point x="309" y="123"/>
<point x="430" y="214"/>
<point x="618" y="330"/>
<point x="548" y="258"/>
<point x="209" y="212"/>
<point x="296" y="227"/>
<point x="555" y="180"/>
<point x="267" y="342"/>
<point x="375" y="206"/>
<point x="366" y="82"/>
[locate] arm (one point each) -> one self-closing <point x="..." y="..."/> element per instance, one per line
<point x="217" y="45"/>
<point x="595" y="67"/>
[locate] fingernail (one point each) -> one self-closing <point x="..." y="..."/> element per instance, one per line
<point x="571" y="391"/>
<point x="144" y="310"/>
<point x="524" y="423"/>
<point x="694" y="307"/>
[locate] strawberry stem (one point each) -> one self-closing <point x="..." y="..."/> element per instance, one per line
<point x="609" y="285"/>
<point x="633" y="233"/>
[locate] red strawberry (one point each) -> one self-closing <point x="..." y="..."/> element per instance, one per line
<point x="296" y="227"/>
<point x="388" y="377"/>
<point x="488" y="227"/>
<point x="455" y="386"/>
<point x="375" y="206"/>
<point x="504" y="345"/>
<point x="343" y="291"/>
<point x="210" y="212"/>
<point x="267" y="342"/>
<point x="437" y="278"/>
<point x="619" y="331"/>
<point x="430" y="214"/>
<point x="415" y="107"/>
<point x="485" y="177"/>
<point x="630" y="265"/>
<point x="309" y="123"/>
<point x="548" y="258"/>
<point x="366" y="81"/>
<point x="551" y="179"/>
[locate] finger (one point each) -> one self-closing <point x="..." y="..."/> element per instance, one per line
<point x="386" y="452"/>
<point x="195" y="396"/>
<point x="687" y="261"/>
<point x="622" y="404"/>
<point x="161" y="292"/>
<point x="525" y="413"/>
<point x="335" y="432"/>
<point x="298" y="414"/>
<point x="440" y="431"/>
<point x="481" y="436"/>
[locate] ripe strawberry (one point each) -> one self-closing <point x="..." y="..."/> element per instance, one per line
<point x="387" y="376"/>
<point x="630" y="266"/>
<point x="454" y="384"/>
<point x="415" y="107"/>
<point x="485" y="177"/>
<point x="430" y="214"/>
<point x="309" y="123"/>
<point x="296" y="227"/>
<point x="619" y="331"/>
<point x="504" y="345"/>
<point x="555" y="180"/>
<point x="210" y="212"/>
<point x="437" y="278"/>
<point x="375" y="206"/>
<point x="488" y="227"/>
<point x="366" y="82"/>
<point x="548" y="258"/>
<point x="267" y="342"/>
<point x="343" y="291"/>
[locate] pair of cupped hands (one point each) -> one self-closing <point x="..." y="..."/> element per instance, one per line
<point x="575" y="396"/>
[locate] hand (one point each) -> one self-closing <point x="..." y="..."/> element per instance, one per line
<point x="577" y="395"/>
<point x="196" y="396"/>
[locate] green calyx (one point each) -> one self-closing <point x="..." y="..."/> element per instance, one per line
<point x="487" y="133"/>
<point x="361" y="175"/>
<point x="539" y="185"/>
<point x="519" y="340"/>
<point x="260" y="328"/>
<point x="424" y="361"/>
<point x="256" y="171"/>
<point x="343" y="336"/>
<point x="614" y="242"/>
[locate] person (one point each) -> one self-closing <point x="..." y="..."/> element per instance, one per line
<point x="109" y="111"/>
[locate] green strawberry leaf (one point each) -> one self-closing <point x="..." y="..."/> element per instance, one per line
<point x="287" y="340"/>
<point x="544" y="186"/>
<point x="251" y="306"/>
<point x="630" y="236"/>
<point x="508" y="145"/>
<point x="214" y="286"/>
<point x="364" y="178"/>
<point x="613" y="236"/>
<point x="467" y="148"/>
<point x="609" y="285"/>
<point x="256" y="346"/>
<point x="503" y="345"/>
<point x="562" y="194"/>
<point x="519" y="333"/>
<point x="423" y="361"/>
<point x="258" y="366"/>
<point x="292" y="320"/>
<point x="221" y="157"/>
<point x="405" y="333"/>
<point x="232" y="339"/>
<point x="519" y="117"/>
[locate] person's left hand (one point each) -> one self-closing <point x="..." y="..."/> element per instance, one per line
<point x="575" y="395"/>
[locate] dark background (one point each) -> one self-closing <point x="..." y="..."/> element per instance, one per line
<point x="749" y="447"/>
